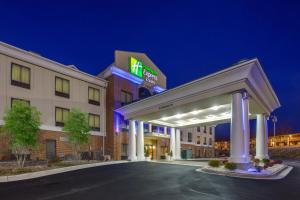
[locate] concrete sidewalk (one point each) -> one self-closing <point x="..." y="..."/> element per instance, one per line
<point x="38" y="174"/>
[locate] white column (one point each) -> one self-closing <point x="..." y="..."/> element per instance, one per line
<point x="132" y="141"/>
<point x="237" y="139"/>
<point x="172" y="141"/>
<point x="261" y="137"/>
<point x="150" y="128"/>
<point x="246" y="124"/>
<point x="140" y="141"/>
<point x="178" y="145"/>
<point x="165" y="130"/>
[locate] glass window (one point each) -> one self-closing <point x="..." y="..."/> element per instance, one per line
<point x="126" y="97"/>
<point x="190" y="137"/>
<point x="198" y="139"/>
<point x="124" y="150"/>
<point x="94" y="96"/>
<point x="204" y="131"/>
<point x="61" y="115"/>
<point x="14" y="100"/>
<point x="62" y="87"/>
<point x="94" y="122"/>
<point x="210" y="141"/>
<point x="198" y="129"/>
<point x="204" y="142"/>
<point x="20" y="76"/>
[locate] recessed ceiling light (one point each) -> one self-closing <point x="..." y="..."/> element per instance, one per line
<point x="215" y="107"/>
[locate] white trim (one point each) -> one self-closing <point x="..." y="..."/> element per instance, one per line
<point x="38" y="60"/>
<point x="243" y="76"/>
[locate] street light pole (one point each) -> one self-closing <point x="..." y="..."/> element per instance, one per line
<point x="274" y="120"/>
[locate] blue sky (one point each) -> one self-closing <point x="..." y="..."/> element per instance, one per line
<point x="203" y="37"/>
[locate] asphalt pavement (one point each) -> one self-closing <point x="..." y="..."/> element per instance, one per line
<point x="146" y="180"/>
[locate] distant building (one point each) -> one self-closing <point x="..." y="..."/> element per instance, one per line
<point x="279" y="141"/>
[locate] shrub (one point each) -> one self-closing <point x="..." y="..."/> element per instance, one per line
<point x="265" y="160"/>
<point x="214" y="163"/>
<point x="230" y="166"/>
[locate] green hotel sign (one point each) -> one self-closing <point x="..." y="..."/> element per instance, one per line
<point x="139" y="69"/>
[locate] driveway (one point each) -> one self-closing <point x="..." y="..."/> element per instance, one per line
<point x="145" y="180"/>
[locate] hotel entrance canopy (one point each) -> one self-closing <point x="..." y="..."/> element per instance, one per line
<point x="207" y="100"/>
<point x="233" y="95"/>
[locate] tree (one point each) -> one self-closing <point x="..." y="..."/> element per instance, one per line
<point x="22" y="124"/>
<point x="77" y="129"/>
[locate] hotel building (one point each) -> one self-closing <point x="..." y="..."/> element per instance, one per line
<point x="131" y="110"/>
<point x="54" y="89"/>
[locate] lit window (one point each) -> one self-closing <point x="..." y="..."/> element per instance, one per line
<point x="61" y="115"/>
<point x="62" y="87"/>
<point x="20" y="76"/>
<point x="94" y="122"/>
<point x="94" y="96"/>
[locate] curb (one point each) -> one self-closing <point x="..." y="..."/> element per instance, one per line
<point x="38" y="174"/>
<point x="275" y="176"/>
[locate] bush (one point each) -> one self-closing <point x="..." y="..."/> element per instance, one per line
<point x="214" y="163"/>
<point x="265" y="160"/>
<point x="230" y="166"/>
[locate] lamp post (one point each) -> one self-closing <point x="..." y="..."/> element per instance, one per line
<point x="274" y="120"/>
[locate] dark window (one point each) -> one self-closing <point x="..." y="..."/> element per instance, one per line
<point x="210" y="141"/>
<point x="126" y="97"/>
<point x="204" y="131"/>
<point x="20" y="76"/>
<point x="62" y="87"/>
<point x="94" y="122"/>
<point x="14" y="100"/>
<point x="198" y="139"/>
<point x="144" y="93"/>
<point x="198" y="129"/>
<point x="181" y="136"/>
<point x="210" y="130"/>
<point x="94" y="96"/>
<point x="190" y="137"/>
<point x="204" y="142"/>
<point x="61" y="115"/>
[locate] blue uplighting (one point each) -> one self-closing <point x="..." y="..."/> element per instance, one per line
<point x="126" y="75"/>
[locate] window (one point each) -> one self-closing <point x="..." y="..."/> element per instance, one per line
<point x="210" y="130"/>
<point x="62" y="87"/>
<point x="126" y="97"/>
<point x="124" y="150"/>
<point x="94" y="96"/>
<point x="190" y="137"/>
<point x="198" y="139"/>
<point x="14" y="100"/>
<point x="181" y="136"/>
<point x="61" y="115"/>
<point x="204" y="131"/>
<point x="210" y="141"/>
<point x="204" y="142"/>
<point x="94" y="122"/>
<point x="20" y="76"/>
<point x="198" y="129"/>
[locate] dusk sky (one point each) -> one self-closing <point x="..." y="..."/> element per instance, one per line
<point x="185" y="39"/>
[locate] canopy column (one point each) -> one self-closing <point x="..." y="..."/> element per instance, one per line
<point x="261" y="137"/>
<point x="132" y="141"/>
<point x="140" y="141"/>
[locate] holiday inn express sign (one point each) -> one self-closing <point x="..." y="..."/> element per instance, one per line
<point x="138" y="68"/>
